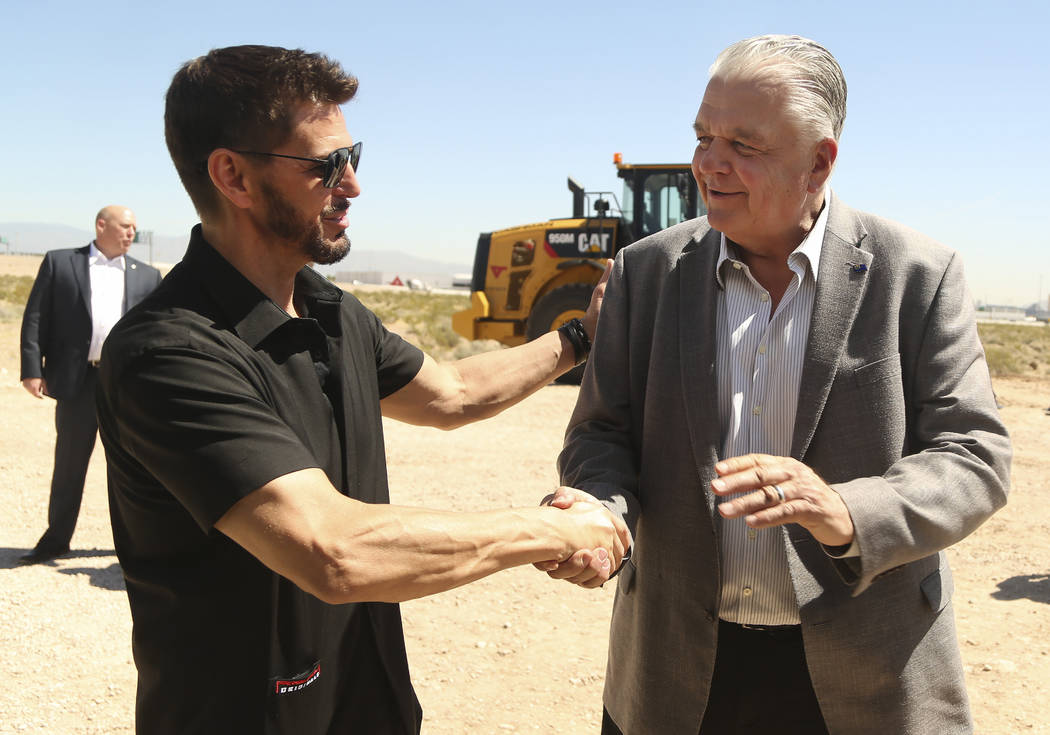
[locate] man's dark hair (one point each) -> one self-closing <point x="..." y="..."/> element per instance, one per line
<point x="242" y="97"/>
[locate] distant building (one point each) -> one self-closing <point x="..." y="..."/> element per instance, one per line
<point x="999" y="313"/>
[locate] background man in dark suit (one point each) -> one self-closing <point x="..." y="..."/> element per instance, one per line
<point x="78" y="295"/>
<point x="789" y="405"/>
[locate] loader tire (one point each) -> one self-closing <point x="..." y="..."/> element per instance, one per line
<point x="556" y="308"/>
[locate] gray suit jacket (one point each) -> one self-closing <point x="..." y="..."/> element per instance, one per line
<point x="56" y="325"/>
<point x="895" y="411"/>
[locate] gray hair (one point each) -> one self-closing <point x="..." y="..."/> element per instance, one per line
<point x="813" y="78"/>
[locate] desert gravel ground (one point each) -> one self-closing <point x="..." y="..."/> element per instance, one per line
<point x="513" y="653"/>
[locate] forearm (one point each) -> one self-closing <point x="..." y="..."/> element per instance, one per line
<point x="31" y="363"/>
<point x="924" y="504"/>
<point x="496" y="380"/>
<point x="35" y="324"/>
<point x="480" y="386"/>
<point x="342" y="550"/>
<point x="395" y="553"/>
<point x="475" y="388"/>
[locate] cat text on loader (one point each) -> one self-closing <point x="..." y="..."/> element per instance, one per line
<point x="531" y="279"/>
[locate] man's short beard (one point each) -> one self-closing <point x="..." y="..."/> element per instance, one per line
<point x="285" y="223"/>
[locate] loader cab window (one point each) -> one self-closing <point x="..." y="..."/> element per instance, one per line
<point x="655" y="201"/>
<point x="627" y="208"/>
<point x="664" y="204"/>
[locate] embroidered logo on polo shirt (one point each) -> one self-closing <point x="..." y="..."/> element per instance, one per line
<point x="297" y="682"/>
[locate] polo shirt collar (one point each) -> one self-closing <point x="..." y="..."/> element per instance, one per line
<point x="252" y="314"/>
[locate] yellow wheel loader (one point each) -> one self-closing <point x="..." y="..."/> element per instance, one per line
<point x="531" y="279"/>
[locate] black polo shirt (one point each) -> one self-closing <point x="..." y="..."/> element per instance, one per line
<point x="207" y="391"/>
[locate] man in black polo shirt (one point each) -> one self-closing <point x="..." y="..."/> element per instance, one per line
<point x="240" y="407"/>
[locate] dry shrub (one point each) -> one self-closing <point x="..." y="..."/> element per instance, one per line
<point x="1016" y="350"/>
<point x="424" y="319"/>
<point x="14" y="292"/>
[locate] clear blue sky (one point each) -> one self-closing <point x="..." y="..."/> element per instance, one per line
<point x="473" y="113"/>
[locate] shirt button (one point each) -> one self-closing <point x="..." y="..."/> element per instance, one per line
<point x="756" y="410"/>
<point x="761" y="349"/>
<point x="737" y="265"/>
<point x="747" y="592"/>
<point x="763" y="298"/>
<point x="752" y="533"/>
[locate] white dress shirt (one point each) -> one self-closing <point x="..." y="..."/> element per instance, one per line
<point x="759" y="367"/>
<point x="107" y="297"/>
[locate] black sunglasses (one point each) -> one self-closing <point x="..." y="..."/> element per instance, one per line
<point x="334" y="164"/>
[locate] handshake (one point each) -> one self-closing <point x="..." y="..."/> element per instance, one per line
<point x="597" y="539"/>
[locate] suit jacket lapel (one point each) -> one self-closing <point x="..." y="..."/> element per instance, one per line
<point x="697" y="318"/>
<point x="81" y="272"/>
<point x="130" y="282"/>
<point x="841" y="282"/>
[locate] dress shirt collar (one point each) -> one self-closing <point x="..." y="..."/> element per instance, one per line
<point x="255" y="316"/>
<point x="807" y="254"/>
<point x="97" y="257"/>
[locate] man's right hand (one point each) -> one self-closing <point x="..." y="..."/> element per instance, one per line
<point x="37" y="387"/>
<point x="591" y="565"/>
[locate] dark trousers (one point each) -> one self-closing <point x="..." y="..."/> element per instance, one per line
<point x="761" y="686"/>
<point x="76" y="427"/>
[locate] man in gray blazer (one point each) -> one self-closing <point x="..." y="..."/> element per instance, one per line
<point x="788" y="403"/>
<point x="77" y="297"/>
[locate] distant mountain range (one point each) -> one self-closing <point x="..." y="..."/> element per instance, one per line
<point x="39" y="237"/>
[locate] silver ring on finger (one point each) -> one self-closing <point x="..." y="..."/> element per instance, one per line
<point x="780" y="493"/>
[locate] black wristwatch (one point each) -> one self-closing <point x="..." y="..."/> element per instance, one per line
<point x="577" y="336"/>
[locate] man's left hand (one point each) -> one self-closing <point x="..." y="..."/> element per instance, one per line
<point x="808" y="500"/>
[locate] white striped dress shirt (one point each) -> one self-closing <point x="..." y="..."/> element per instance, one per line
<point x="759" y="366"/>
